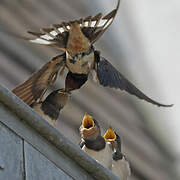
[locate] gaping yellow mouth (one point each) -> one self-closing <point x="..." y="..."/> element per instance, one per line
<point x="87" y="121"/>
<point x="110" y="135"/>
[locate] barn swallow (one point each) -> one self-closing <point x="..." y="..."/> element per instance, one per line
<point x="93" y="143"/>
<point x="50" y="108"/>
<point x="120" y="165"/>
<point x="76" y="39"/>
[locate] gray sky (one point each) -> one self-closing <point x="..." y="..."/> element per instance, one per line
<point x="157" y="26"/>
<point x="149" y="31"/>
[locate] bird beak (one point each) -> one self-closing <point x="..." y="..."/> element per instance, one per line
<point x="87" y="122"/>
<point x="88" y="129"/>
<point x="110" y="135"/>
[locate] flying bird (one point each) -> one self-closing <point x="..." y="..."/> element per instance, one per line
<point x="76" y="38"/>
<point x="50" y="108"/>
<point x="93" y="143"/>
<point x="120" y="166"/>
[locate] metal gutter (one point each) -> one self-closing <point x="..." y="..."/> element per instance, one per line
<point x="30" y="117"/>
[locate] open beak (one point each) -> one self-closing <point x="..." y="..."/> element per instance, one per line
<point x="88" y="129"/>
<point x="87" y="122"/>
<point x="110" y="135"/>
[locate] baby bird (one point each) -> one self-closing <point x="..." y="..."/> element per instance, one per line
<point x="120" y="166"/>
<point x="93" y="143"/>
<point x="50" y="108"/>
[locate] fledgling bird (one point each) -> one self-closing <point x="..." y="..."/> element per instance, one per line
<point x="76" y="39"/>
<point x="93" y="143"/>
<point x="50" y="108"/>
<point x="120" y="166"/>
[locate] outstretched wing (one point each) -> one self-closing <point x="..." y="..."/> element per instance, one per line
<point x="109" y="76"/>
<point x="55" y="36"/>
<point x="92" y="27"/>
<point x="34" y="88"/>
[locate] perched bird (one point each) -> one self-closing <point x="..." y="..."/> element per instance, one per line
<point x="120" y="166"/>
<point x="76" y="39"/>
<point x="50" y="108"/>
<point x="93" y="143"/>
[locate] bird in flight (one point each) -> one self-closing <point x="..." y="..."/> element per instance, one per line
<point x="76" y="38"/>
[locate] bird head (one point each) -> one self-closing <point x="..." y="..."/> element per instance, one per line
<point x="110" y="135"/>
<point x="113" y="138"/>
<point x="90" y="128"/>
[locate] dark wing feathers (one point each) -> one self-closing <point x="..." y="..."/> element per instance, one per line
<point x="56" y="26"/>
<point x="55" y="36"/>
<point x="109" y="76"/>
<point x="92" y="27"/>
<point x="48" y="31"/>
<point x="33" y="89"/>
<point x="37" y="34"/>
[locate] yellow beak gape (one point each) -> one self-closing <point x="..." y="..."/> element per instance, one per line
<point x="110" y="135"/>
<point x="87" y="121"/>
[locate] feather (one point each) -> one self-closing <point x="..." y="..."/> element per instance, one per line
<point x="109" y="76"/>
<point x="57" y="34"/>
<point x="33" y="89"/>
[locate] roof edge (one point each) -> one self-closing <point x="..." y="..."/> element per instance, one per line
<point x="34" y="120"/>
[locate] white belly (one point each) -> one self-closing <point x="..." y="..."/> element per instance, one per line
<point x="81" y="65"/>
<point x="104" y="157"/>
<point x="121" y="169"/>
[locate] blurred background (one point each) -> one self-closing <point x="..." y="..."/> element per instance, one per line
<point x="142" y="43"/>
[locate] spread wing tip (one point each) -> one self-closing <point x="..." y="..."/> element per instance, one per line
<point x="39" y="40"/>
<point x="165" y="105"/>
<point x="108" y="76"/>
